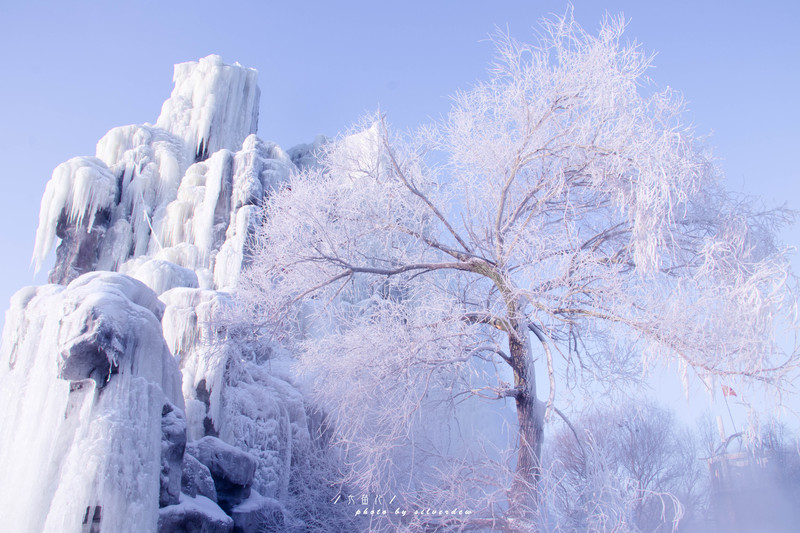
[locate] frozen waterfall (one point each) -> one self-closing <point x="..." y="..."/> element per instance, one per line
<point x="125" y="407"/>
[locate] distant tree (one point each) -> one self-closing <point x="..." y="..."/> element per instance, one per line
<point x="755" y="478"/>
<point x="630" y="468"/>
<point x="561" y="218"/>
<point x="775" y="450"/>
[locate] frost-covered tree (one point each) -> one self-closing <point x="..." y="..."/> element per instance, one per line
<point x="628" y="468"/>
<point x="562" y="218"/>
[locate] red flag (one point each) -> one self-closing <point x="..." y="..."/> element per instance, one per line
<point x="727" y="391"/>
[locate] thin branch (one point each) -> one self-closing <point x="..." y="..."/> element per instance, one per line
<point x="571" y="427"/>
<point x="416" y="191"/>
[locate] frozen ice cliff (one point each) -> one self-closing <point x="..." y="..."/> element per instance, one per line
<point x="125" y="405"/>
<point x="170" y="204"/>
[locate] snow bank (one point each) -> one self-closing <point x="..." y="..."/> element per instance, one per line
<point x="194" y="514"/>
<point x="158" y="274"/>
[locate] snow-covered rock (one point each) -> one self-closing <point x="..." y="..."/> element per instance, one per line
<point x="265" y="414"/>
<point x="196" y="479"/>
<point x="78" y="190"/>
<point x="213" y="106"/>
<point x="231" y="468"/>
<point x="195" y="515"/>
<point x="183" y="191"/>
<point x="306" y="155"/>
<point x="159" y="274"/>
<point x="236" y="390"/>
<point x="258" y="513"/>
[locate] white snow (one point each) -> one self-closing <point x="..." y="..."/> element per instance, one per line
<point x="253" y="503"/>
<point x="199" y="505"/>
<point x="206" y="506"/>
<point x="158" y="274"/>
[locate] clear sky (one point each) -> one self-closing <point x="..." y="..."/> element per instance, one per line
<point x="73" y="70"/>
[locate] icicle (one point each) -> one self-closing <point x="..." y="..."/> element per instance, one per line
<point x="213" y="106"/>
<point x="69" y="447"/>
<point x="79" y="188"/>
<point x="181" y="228"/>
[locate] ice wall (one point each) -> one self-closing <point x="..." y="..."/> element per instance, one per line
<point x="84" y="377"/>
<point x="213" y="106"/>
<point x="238" y="390"/>
<point x="146" y="194"/>
<point x="127" y="406"/>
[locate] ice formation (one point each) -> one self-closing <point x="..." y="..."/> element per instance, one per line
<point x="213" y="106"/>
<point x="148" y="193"/>
<point x="116" y="376"/>
<point x="84" y="377"/>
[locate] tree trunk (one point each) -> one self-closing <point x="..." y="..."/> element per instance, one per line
<point x="524" y="488"/>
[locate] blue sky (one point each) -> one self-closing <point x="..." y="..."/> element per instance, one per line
<point x="72" y="71"/>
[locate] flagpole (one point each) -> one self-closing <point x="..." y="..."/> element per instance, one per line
<point x="725" y="396"/>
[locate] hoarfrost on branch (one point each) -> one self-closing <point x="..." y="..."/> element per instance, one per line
<point x="562" y="219"/>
